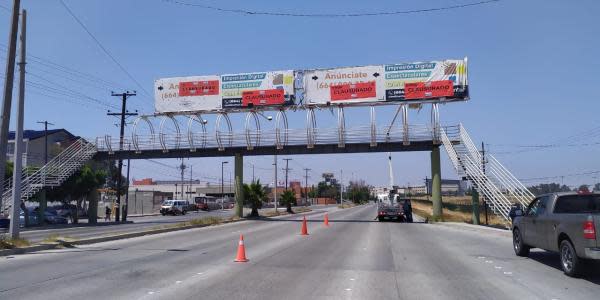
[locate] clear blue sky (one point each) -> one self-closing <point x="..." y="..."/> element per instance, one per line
<point x="532" y="72"/>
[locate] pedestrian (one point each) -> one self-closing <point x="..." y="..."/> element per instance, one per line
<point x="107" y="216"/>
<point x="407" y="208"/>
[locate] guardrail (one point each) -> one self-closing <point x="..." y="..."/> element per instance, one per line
<point x="272" y="137"/>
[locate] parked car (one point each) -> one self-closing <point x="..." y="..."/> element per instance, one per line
<point x="33" y="217"/>
<point x="567" y="223"/>
<point x="52" y="217"/>
<point x="174" y="207"/>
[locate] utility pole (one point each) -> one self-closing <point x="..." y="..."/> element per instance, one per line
<point x="252" y="172"/>
<point x="341" y="186"/>
<point x="191" y="183"/>
<point x="182" y="168"/>
<point x="275" y="181"/>
<point x="43" y="202"/>
<point x="123" y="114"/>
<point x="9" y="75"/>
<point x="306" y="185"/>
<point x="287" y="169"/>
<point x="18" y="167"/>
<point x="485" y="206"/>
<point x="126" y="210"/>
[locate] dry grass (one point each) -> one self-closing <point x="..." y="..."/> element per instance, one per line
<point x="8" y="243"/>
<point x="460" y="200"/>
<point x="296" y="210"/>
<point x="426" y="210"/>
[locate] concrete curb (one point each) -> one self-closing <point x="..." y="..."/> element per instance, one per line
<point x="35" y="248"/>
<point x="471" y="227"/>
<point x="50" y="246"/>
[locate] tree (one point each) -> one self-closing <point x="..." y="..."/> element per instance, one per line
<point x="358" y="192"/>
<point x="597" y="187"/>
<point x="584" y="188"/>
<point x="8" y="171"/>
<point x="254" y="194"/>
<point x="545" y="188"/>
<point x="287" y="198"/>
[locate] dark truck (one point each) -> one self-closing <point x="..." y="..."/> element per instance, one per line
<point x="567" y="223"/>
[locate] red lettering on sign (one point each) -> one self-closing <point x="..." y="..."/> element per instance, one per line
<point x="263" y="97"/>
<point x="352" y="91"/>
<point x="199" y="88"/>
<point x="431" y="89"/>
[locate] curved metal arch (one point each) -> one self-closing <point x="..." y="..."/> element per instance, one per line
<point x="373" y="127"/>
<point x="190" y="132"/>
<point x="218" y="136"/>
<point x="341" y="127"/>
<point x="135" y="137"/>
<point x="249" y="141"/>
<point x="435" y="122"/>
<point x="311" y="127"/>
<point x="281" y="115"/>
<point x="107" y="142"/>
<point x="161" y="134"/>
<point x="405" y="127"/>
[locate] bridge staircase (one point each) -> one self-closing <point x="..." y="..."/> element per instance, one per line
<point x="53" y="174"/>
<point x="498" y="187"/>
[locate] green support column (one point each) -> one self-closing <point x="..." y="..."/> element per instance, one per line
<point x="42" y="207"/>
<point x="475" y="203"/>
<point x="92" y="198"/>
<point x="436" y="184"/>
<point x="239" y="188"/>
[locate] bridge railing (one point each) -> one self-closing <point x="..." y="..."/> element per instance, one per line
<point x="268" y="137"/>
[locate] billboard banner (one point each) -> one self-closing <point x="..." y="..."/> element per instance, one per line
<point x="257" y="89"/>
<point x="443" y="80"/>
<point x="344" y="85"/>
<point x="194" y="93"/>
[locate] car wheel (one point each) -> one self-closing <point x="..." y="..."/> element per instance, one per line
<point x="380" y="219"/>
<point x="183" y="212"/>
<point x="518" y="245"/>
<point x="570" y="263"/>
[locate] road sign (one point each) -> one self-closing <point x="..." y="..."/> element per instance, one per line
<point x="343" y="85"/>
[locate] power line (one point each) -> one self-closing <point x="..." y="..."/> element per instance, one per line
<point x="328" y="15"/>
<point x="104" y="49"/>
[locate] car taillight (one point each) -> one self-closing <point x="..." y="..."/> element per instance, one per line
<point x="589" y="231"/>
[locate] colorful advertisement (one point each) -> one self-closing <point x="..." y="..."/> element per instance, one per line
<point x="444" y="80"/>
<point x="257" y="89"/>
<point x="344" y="85"/>
<point x="181" y="94"/>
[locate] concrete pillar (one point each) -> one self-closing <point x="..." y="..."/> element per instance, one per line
<point x="436" y="184"/>
<point x="239" y="182"/>
<point x="42" y="207"/>
<point x="475" y="203"/>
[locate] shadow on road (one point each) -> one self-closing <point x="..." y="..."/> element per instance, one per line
<point x="591" y="271"/>
<point x="330" y="221"/>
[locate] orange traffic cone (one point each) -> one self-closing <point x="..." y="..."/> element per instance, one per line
<point x="241" y="253"/>
<point x="326" y="220"/>
<point x="304" y="228"/>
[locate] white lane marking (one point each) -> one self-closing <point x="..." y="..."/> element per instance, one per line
<point x="352" y="279"/>
<point x="150" y="293"/>
<point x="497" y="267"/>
<point x="348" y="289"/>
<point x="488" y="261"/>
<point x="507" y="273"/>
<point x="178" y="281"/>
<point x="199" y="273"/>
<point x="481" y="257"/>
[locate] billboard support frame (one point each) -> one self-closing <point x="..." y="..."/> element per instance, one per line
<point x="161" y="134"/>
<point x="281" y="116"/>
<point x="220" y="117"/>
<point x="252" y="115"/>
<point x="341" y="127"/>
<point x="405" y="128"/>
<point x="435" y="122"/>
<point x="373" y="127"/>
<point x="311" y="127"/>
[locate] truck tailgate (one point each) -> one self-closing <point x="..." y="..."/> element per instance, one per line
<point x="597" y="224"/>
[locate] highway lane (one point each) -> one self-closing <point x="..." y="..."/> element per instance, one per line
<point x="355" y="258"/>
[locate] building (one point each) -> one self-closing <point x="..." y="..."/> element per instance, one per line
<point x="450" y="187"/>
<point x="33" y="150"/>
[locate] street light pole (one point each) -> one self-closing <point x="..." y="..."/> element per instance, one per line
<point x="222" y="183"/>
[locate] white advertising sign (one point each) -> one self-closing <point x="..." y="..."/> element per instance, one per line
<point x="257" y="89"/>
<point x="344" y="85"/>
<point x="195" y="93"/>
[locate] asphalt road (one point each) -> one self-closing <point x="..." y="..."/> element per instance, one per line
<point x="355" y="258"/>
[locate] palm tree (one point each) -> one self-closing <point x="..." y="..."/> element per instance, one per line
<point x="254" y="194"/>
<point x="287" y="198"/>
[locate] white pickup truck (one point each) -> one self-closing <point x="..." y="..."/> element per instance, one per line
<point x="567" y="223"/>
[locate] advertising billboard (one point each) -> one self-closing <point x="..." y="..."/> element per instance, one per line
<point x="194" y="93"/>
<point x="443" y="80"/>
<point x="344" y="85"/>
<point x="257" y="89"/>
